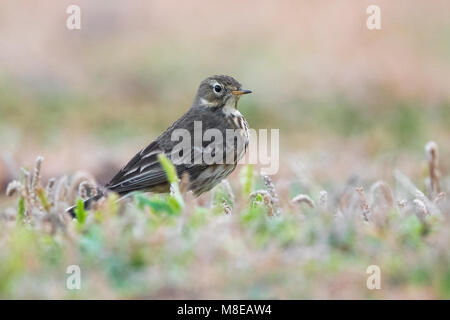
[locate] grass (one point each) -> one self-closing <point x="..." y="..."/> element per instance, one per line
<point x="249" y="242"/>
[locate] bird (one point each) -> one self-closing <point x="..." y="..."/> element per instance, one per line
<point x="206" y="161"/>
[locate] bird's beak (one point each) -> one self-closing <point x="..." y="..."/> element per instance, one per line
<point x="240" y="92"/>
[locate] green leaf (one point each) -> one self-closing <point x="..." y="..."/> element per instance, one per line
<point x="175" y="200"/>
<point x="246" y="176"/>
<point x="21" y="209"/>
<point x="80" y="213"/>
<point x="157" y="204"/>
<point x="112" y="206"/>
<point x="43" y="198"/>
<point x="169" y="168"/>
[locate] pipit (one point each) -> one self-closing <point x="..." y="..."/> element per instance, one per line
<point x="214" y="138"/>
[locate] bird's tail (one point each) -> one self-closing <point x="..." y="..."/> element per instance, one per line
<point x="87" y="204"/>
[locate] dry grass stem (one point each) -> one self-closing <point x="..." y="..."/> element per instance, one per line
<point x="226" y="207"/>
<point x="382" y="194"/>
<point x="440" y="197"/>
<point x="402" y="203"/>
<point x="381" y="203"/>
<point x="420" y="209"/>
<point x="83" y="190"/>
<point x="50" y="188"/>
<point x="61" y="190"/>
<point x="267" y="200"/>
<point x="184" y="183"/>
<point x="229" y="190"/>
<point x="363" y="203"/>
<point x="273" y="193"/>
<point x="73" y="185"/>
<point x="406" y="183"/>
<point x="432" y="154"/>
<point x="303" y="198"/>
<point x="323" y="199"/>
<point x="36" y="178"/>
<point x="14" y="187"/>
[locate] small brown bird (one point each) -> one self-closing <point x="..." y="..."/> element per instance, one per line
<point x="207" y="161"/>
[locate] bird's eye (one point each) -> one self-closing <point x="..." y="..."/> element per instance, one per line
<point x="217" y="88"/>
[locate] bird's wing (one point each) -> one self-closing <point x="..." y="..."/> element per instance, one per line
<point x="143" y="171"/>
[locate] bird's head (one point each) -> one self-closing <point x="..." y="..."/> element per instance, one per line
<point x="219" y="92"/>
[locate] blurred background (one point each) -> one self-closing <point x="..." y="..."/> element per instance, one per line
<point x="347" y="100"/>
